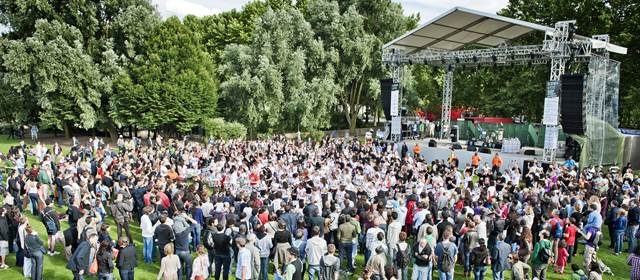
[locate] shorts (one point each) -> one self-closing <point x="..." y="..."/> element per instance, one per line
<point x="4" y="248"/>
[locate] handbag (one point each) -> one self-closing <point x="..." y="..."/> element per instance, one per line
<point x="93" y="268"/>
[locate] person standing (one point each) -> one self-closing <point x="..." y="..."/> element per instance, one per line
<point x="619" y="228"/>
<point x="423" y="256"/>
<point x="127" y="261"/>
<point x="200" y="264"/>
<point x="542" y="254"/>
<point x="182" y="227"/>
<point x="500" y="257"/>
<point x="35" y="248"/>
<point x="52" y="225"/>
<point x="293" y="269"/>
<point x="5" y="236"/>
<point x="633" y="221"/>
<point x="315" y="249"/>
<point x="147" y="234"/>
<point x="222" y="249"/>
<point x="163" y="234"/>
<point x="376" y="264"/>
<point x="169" y="265"/>
<point x="330" y="265"/>
<point x="480" y="257"/>
<point x="243" y="267"/>
<point x="346" y="234"/>
<point x="255" y="255"/>
<point x="121" y="210"/>
<point x="446" y="255"/>
<point x="34" y="132"/>
<point x="81" y="258"/>
<point x="496" y="163"/>
<point x="265" y="244"/>
<point x="104" y="258"/>
<point x="519" y="270"/>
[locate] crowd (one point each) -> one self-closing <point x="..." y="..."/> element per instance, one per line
<point x="294" y="208"/>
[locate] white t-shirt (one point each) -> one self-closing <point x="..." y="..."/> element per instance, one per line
<point x="244" y="264"/>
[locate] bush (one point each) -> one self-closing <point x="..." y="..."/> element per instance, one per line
<point x="315" y="135"/>
<point x="217" y="128"/>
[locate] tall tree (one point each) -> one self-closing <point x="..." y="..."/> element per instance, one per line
<point x="281" y="81"/>
<point x="110" y="34"/>
<point x="353" y="32"/>
<point x="172" y="86"/>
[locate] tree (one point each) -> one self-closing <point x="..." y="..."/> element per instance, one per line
<point x="52" y="69"/>
<point x="172" y="86"/>
<point x="353" y="33"/>
<point x="620" y="19"/>
<point x="281" y="81"/>
<point x="109" y="33"/>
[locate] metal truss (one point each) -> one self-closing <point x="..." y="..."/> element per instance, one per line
<point x="558" y="47"/>
<point x="447" y="90"/>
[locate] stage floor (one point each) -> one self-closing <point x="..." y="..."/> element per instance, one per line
<point x="443" y="151"/>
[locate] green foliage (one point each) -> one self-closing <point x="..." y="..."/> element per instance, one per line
<point x="281" y="81"/>
<point x="217" y="128"/>
<point x="172" y="86"/>
<point x="620" y="19"/>
<point x="52" y="68"/>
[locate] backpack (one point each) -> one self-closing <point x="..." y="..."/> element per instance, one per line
<point x="402" y="257"/>
<point x="558" y="229"/>
<point x="208" y="239"/>
<point x="446" y="263"/>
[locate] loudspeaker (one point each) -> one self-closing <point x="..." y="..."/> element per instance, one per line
<point x="485" y="150"/>
<point x="572" y="112"/>
<point x="529" y="152"/>
<point x="433" y="143"/>
<point x="471" y="148"/>
<point x="385" y="96"/>
<point x="456" y="146"/>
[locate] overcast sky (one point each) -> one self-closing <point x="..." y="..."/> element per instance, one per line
<point x="427" y="8"/>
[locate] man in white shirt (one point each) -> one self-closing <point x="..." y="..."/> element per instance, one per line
<point x="371" y="236"/>
<point x="393" y="233"/>
<point x="315" y="249"/>
<point x="206" y="207"/>
<point x="147" y="234"/>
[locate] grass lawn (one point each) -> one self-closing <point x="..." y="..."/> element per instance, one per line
<point x="54" y="267"/>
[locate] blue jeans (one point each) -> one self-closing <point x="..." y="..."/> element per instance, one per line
<point x="467" y="261"/>
<point x="354" y="251"/>
<point x="264" y="268"/>
<point x="197" y="229"/>
<point x="479" y="272"/>
<point x="33" y="197"/>
<point x="36" y="266"/>
<point x="105" y="276"/>
<point x="403" y="273"/>
<point x="498" y="275"/>
<point x="346" y="251"/>
<point x="147" y="250"/>
<point x="313" y="271"/>
<point x="421" y="272"/>
<point x="445" y="275"/>
<point x="619" y="238"/>
<point x="126" y="274"/>
<point x="185" y="263"/>
<point x="631" y="237"/>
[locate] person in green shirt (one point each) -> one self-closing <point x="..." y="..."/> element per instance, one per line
<point x="540" y="259"/>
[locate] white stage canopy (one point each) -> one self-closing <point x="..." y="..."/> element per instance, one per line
<point x="461" y="27"/>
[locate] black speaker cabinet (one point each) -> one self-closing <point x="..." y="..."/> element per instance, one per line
<point x="572" y="112"/>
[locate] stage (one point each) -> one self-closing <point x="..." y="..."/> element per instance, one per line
<point x="443" y="151"/>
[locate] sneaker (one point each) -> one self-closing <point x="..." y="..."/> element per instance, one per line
<point x="4" y="266"/>
<point x="55" y="253"/>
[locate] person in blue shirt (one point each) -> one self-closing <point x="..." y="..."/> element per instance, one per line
<point x="594" y="220"/>
<point x="570" y="163"/>
<point x="619" y="227"/>
<point x="449" y="246"/>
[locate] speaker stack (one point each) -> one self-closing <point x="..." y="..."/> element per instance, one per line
<point x="433" y="143"/>
<point x="385" y="97"/>
<point x="572" y="107"/>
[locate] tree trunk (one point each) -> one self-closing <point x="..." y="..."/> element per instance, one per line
<point x="113" y="131"/>
<point x="67" y="130"/>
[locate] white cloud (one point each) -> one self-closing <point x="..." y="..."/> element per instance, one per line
<point x="427" y="8"/>
<point x="182" y="8"/>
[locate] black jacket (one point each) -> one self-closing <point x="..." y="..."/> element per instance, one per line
<point x="4" y="229"/>
<point x="80" y="258"/>
<point x="163" y="234"/>
<point x="221" y="244"/>
<point x="105" y="261"/>
<point x="127" y="258"/>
